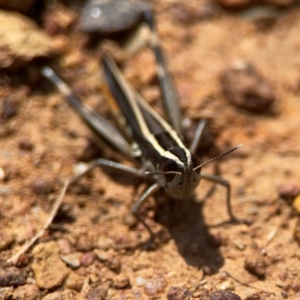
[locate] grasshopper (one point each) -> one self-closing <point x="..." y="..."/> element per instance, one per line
<point x="146" y="136"/>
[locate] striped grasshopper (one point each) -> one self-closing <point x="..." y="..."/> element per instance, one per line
<point x="146" y="136"/>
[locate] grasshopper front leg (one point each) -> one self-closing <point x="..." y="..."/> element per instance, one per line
<point x="137" y="206"/>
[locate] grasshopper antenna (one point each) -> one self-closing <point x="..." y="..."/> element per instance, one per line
<point x="217" y="157"/>
<point x="162" y="173"/>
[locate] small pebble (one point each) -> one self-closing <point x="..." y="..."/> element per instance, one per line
<point x="22" y="41"/>
<point x="255" y="264"/>
<point x="74" y="282"/>
<point x="178" y="293"/>
<point x="121" y="281"/>
<point x="105" y="243"/>
<point x="64" y="246"/>
<point x="130" y="220"/>
<point x="25" y="144"/>
<point x="9" y="108"/>
<point x="289" y="191"/>
<point x="87" y="259"/>
<point x="27" y="291"/>
<point x="283" y="275"/>
<point x="224" y="295"/>
<point x="140" y="264"/>
<point x="155" y="286"/>
<point x="11" y="277"/>
<point x="227" y="285"/>
<point x="140" y="281"/>
<point x="80" y="168"/>
<point x="42" y="186"/>
<point x="101" y="255"/>
<point x="72" y="260"/>
<point x="84" y="243"/>
<point x="284" y="294"/>
<point x="246" y="88"/>
<point x="295" y="286"/>
<point x="24" y="259"/>
<point x="98" y="293"/>
<point x="114" y="264"/>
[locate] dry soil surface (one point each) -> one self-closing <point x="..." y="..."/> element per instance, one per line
<point x="90" y="251"/>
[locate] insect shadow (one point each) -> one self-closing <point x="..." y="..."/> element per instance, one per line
<point x="186" y="225"/>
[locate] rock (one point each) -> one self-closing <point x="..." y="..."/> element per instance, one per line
<point x="289" y="191"/>
<point x="121" y="281"/>
<point x="227" y="285"/>
<point x="27" y="291"/>
<point x="21" y="40"/>
<point x="23" y="260"/>
<point x="42" y="186"/>
<point x="47" y="266"/>
<point x="74" y="282"/>
<point x="11" y="276"/>
<point x="255" y="264"/>
<point x="71" y="260"/>
<point x="64" y="246"/>
<point x="114" y="264"/>
<point x="105" y="243"/>
<point x="87" y="259"/>
<point x="155" y="286"/>
<point x="246" y="88"/>
<point x="101" y="255"/>
<point x="111" y="16"/>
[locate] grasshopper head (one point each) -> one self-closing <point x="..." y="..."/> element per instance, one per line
<point x="181" y="179"/>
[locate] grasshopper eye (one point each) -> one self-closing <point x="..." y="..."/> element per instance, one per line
<point x="196" y="162"/>
<point x="170" y="166"/>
